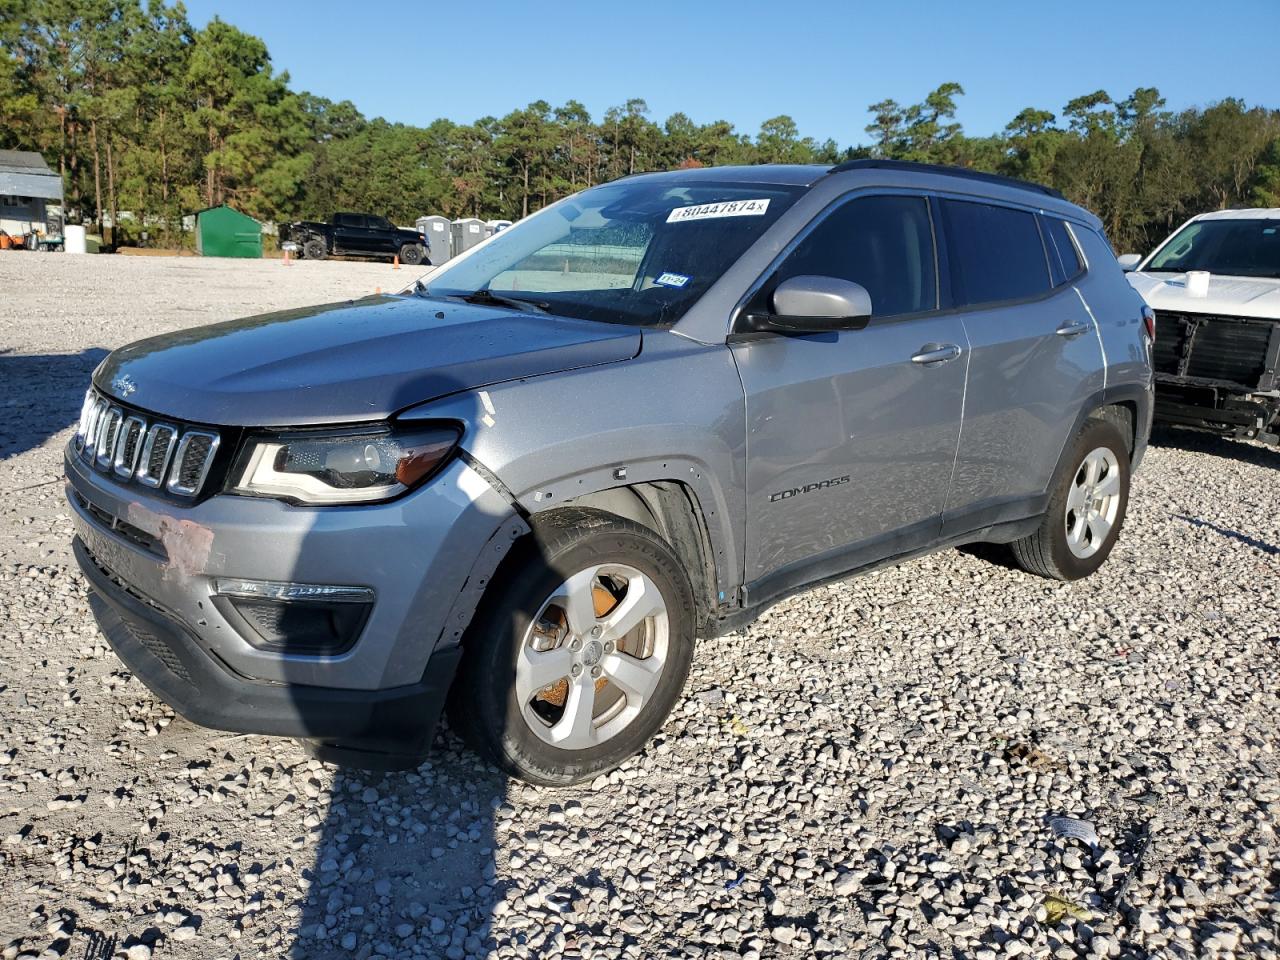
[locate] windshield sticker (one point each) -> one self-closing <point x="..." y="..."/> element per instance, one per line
<point x="672" y="280"/>
<point x="713" y="211"/>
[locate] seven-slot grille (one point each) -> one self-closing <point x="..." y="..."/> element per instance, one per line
<point x="130" y="447"/>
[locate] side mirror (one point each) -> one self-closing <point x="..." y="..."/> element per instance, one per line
<point x="1129" y="262"/>
<point x="810" y="304"/>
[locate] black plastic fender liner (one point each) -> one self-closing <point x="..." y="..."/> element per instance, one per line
<point x="491" y="555"/>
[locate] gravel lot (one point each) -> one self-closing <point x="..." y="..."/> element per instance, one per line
<point x="868" y="771"/>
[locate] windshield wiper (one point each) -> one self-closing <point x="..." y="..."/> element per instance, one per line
<point x="489" y="298"/>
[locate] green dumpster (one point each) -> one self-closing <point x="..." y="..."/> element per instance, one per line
<point x="224" y="232"/>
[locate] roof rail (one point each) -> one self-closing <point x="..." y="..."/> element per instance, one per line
<point x="912" y="166"/>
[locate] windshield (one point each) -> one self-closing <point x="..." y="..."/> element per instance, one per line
<point x="1238" y="248"/>
<point x="633" y="251"/>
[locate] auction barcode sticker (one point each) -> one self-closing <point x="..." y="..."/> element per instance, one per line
<point x="725" y="208"/>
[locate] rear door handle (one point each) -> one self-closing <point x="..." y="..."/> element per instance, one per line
<point x="1072" y="328"/>
<point x="932" y="353"/>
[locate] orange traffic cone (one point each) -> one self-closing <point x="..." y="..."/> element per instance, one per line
<point x="286" y="258"/>
<point x="377" y="291"/>
<point x="395" y="262"/>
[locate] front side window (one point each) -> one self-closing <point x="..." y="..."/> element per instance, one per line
<point x="995" y="253"/>
<point x="883" y="243"/>
<point x="634" y="251"/>
<point x="1237" y="248"/>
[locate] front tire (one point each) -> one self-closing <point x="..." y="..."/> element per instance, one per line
<point x="314" y="249"/>
<point x="1086" y="508"/>
<point x="580" y="650"/>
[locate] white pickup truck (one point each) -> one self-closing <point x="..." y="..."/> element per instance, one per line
<point x="1215" y="288"/>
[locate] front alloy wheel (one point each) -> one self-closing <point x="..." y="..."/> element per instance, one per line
<point x="593" y="657"/>
<point x="579" y="651"/>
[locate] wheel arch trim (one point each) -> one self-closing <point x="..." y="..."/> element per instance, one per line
<point x="670" y="505"/>
<point x="1133" y="395"/>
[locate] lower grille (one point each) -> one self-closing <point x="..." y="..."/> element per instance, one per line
<point x="1231" y="351"/>
<point x="140" y="632"/>
<point x="158" y="648"/>
<point x="123" y="528"/>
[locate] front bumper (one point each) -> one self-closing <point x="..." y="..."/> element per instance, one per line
<point x="161" y="652"/>
<point x="416" y="553"/>
<point x="153" y="566"/>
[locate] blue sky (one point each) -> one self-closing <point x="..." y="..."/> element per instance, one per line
<point x="746" y="61"/>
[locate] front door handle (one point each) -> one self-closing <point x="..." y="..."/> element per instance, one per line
<point x="1072" y="328"/>
<point x="932" y="353"/>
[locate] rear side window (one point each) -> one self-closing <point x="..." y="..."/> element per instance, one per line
<point x="995" y="253"/>
<point x="1097" y="251"/>
<point x="883" y="243"/>
<point x="1064" y="259"/>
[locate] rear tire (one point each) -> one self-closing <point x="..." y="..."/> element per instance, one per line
<point x="411" y="254"/>
<point x="1087" y="507"/>
<point x="555" y="691"/>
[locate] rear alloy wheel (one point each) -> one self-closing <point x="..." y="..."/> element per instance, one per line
<point x="1087" y="504"/>
<point x="1093" y="503"/>
<point x="411" y="254"/>
<point x="580" y="652"/>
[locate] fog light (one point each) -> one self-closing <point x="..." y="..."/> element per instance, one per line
<point x="300" y="618"/>
<point x="280" y="590"/>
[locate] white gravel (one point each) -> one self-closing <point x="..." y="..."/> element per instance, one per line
<point x="868" y="771"/>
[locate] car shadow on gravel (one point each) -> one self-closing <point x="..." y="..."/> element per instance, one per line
<point x="404" y="862"/>
<point x="43" y="393"/>
<point x="1268" y="548"/>
<point x="1196" y="441"/>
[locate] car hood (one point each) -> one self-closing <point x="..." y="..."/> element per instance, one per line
<point x="1230" y="296"/>
<point x="349" y="362"/>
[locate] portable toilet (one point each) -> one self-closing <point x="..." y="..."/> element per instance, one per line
<point x="467" y="232"/>
<point x="223" y="232"/>
<point x="439" y="236"/>
<point x="495" y="226"/>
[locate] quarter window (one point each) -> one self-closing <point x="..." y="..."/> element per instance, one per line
<point x="1064" y="260"/>
<point x="995" y="253"/>
<point x="883" y="243"/>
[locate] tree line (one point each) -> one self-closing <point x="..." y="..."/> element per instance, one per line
<point x="140" y="111"/>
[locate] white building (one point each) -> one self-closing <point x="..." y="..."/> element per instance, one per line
<point x="28" y="189"/>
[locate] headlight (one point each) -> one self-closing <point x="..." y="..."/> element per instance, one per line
<point x="361" y="465"/>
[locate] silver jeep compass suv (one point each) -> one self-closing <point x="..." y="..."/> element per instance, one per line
<point x="639" y="417"/>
